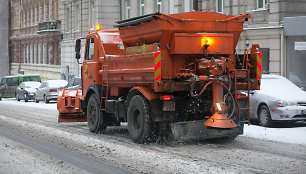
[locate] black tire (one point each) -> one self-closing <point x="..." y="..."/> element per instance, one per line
<point x="25" y="98"/>
<point x="36" y="101"/>
<point x="264" y="116"/>
<point x="94" y="115"/>
<point x="140" y="124"/>
<point x="17" y="97"/>
<point x="46" y="100"/>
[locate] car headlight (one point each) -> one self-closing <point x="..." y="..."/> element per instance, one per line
<point x="282" y="103"/>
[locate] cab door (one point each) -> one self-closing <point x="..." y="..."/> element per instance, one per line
<point x="90" y="67"/>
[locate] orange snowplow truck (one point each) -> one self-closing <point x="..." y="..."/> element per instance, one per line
<point x="166" y="75"/>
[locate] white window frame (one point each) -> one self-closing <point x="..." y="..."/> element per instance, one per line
<point x="141" y="7"/>
<point x="217" y="6"/>
<point x="159" y="6"/>
<point x="77" y="17"/>
<point x="188" y="5"/>
<point x="171" y="6"/>
<point x="92" y="13"/>
<point x="127" y="9"/>
<point x="263" y="4"/>
<point x="67" y="19"/>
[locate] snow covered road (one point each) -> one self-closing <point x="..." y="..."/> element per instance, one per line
<point x="264" y="153"/>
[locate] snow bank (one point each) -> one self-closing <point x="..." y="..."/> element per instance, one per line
<point x="294" y="135"/>
<point x="41" y="105"/>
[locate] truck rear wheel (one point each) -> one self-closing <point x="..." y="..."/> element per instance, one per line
<point x="94" y="115"/>
<point x="140" y="124"/>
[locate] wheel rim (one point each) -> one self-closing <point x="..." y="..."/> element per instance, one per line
<point x="263" y="116"/>
<point x="92" y="113"/>
<point x="136" y="119"/>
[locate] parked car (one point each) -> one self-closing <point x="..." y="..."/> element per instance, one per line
<point x="9" y="84"/>
<point x="75" y="83"/>
<point x="26" y="90"/>
<point x="277" y="100"/>
<point x="48" y="90"/>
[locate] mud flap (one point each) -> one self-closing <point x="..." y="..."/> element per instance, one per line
<point x="196" y="131"/>
<point x="72" y="118"/>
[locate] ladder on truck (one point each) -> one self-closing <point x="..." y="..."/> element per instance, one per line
<point x="242" y="82"/>
<point x="105" y="83"/>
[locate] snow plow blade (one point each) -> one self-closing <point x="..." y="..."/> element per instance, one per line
<point x="71" y="118"/>
<point x="196" y="131"/>
<point x="68" y="106"/>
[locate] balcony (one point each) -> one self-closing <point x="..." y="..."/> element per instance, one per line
<point x="48" y="27"/>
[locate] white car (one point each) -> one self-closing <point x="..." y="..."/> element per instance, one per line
<point x="48" y="90"/>
<point x="277" y="100"/>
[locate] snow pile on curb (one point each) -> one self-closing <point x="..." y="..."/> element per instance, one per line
<point x="294" y="135"/>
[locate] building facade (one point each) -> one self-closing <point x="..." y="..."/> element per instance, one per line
<point x="79" y="17"/>
<point x="266" y="27"/>
<point x="35" y="35"/>
<point x="4" y="21"/>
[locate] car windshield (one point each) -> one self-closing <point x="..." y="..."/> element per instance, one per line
<point x="281" y="88"/>
<point x="32" y="85"/>
<point x="77" y="81"/>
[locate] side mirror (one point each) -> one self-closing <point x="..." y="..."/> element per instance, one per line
<point x="36" y="89"/>
<point x="78" y="49"/>
<point x="252" y="92"/>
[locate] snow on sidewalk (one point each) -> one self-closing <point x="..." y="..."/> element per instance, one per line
<point x="294" y="135"/>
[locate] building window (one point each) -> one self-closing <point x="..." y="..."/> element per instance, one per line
<point x="219" y="6"/>
<point x="188" y="5"/>
<point x="67" y="17"/>
<point x="261" y="3"/>
<point x="141" y="10"/>
<point x="92" y="13"/>
<point x="127" y="9"/>
<point x="158" y="5"/>
<point x="77" y="17"/>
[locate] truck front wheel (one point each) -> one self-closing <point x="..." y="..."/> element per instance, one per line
<point x="94" y="115"/>
<point x="140" y="124"/>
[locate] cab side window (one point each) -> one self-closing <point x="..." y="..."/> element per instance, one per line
<point x="90" y="49"/>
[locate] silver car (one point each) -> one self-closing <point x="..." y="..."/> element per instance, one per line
<point x="277" y="100"/>
<point x="25" y="91"/>
<point x="48" y="90"/>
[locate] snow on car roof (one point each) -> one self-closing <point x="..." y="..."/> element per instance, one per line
<point x="280" y="87"/>
<point x="56" y="83"/>
<point x="30" y="82"/>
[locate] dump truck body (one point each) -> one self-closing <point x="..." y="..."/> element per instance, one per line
<point x="165" y="72"/>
